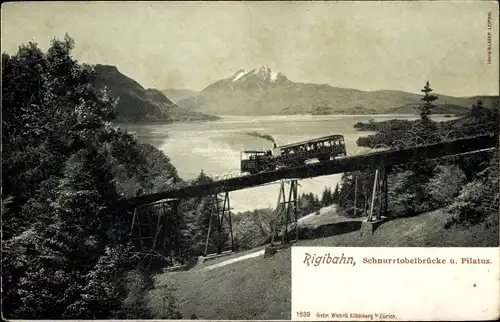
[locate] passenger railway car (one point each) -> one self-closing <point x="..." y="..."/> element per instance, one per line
<point x="291" y="155"/>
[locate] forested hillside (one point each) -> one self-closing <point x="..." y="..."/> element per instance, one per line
<point x="137" y="104"/>
<point x="466" y="185"/>
<point x="65" y="169"/>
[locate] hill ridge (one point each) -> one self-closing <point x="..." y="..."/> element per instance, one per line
<point x="138" y="104"/>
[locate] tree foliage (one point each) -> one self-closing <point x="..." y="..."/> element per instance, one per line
<point x="65" y="168"/>
<point x="479" y="199"/>
<point x="253" y="228"/>
<point x="429" y="184"/>
<point x="308" y="203"/>
<point x="445" y="185"/>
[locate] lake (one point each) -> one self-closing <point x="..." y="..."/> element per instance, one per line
<point x="215" y="146"/>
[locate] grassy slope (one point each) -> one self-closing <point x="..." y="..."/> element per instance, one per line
<point x="259" y="288"/>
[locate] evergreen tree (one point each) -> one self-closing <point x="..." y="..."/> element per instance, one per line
<point x="426" y="108"/>
<point x="478" y="111"/>
<point x="326" y="198"/>
<point x="335" y="195"/>
<point x="198" y="213"/>
<point x="316" y="203"/>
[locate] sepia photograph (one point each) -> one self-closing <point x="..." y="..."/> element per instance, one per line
<point x="164" y="159"/>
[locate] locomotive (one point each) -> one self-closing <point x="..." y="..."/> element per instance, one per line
<point x="291" y="155"/>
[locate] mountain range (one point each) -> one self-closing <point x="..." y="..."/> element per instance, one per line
<point x="137" y="104"/>
<point x="262" y="91"/>
<point x="177" y="94"/>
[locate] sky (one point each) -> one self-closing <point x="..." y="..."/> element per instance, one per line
<point x="363" y="45"/>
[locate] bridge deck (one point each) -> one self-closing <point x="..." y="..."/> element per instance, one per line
<point x="368" y="161"/>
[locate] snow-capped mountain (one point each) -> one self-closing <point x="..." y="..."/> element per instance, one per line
<point x="255" y="79"/>
<point x="263" y="74"/>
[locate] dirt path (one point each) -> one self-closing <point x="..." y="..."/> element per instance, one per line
<point x="234" y="260"/>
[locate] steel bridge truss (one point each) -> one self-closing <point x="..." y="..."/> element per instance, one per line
<point x="286" y="217"/>
<point x="374" y="205"/>
<point x="155" y="232"/>
<point x="220" y="228"/>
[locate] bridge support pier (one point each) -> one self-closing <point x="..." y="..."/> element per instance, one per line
<point x="379" y="195"/>
<point x="286" y="214"/>
<point x="155" y="232"/>
<point x="219" y="218"/>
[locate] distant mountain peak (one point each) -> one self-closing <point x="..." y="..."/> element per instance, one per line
<point x="239" y="74"/>
<point x="263" y="74"/>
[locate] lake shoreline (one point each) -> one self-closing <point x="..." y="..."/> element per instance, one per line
<point x="228" y="117"/>
<point x="215" y="147"/>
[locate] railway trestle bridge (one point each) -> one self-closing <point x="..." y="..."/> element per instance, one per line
<point x="155" y="217"/>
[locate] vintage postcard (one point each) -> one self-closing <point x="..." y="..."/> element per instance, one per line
<point x="277" y="160"/>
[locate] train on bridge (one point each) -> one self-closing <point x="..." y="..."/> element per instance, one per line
<point x="292" y="155"/>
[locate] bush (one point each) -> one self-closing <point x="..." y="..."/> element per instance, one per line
<point x="468" y="205"/>
<point x="446" y="184"/>
<point x="162" y="302"/>
<point x="134" y="306"/>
